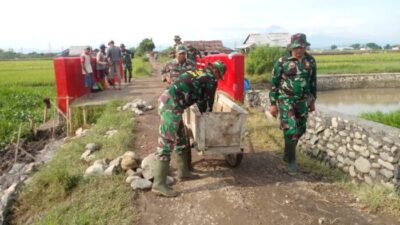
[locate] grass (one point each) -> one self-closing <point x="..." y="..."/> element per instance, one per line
<point x="58" y="193"/>
<point x="265" y="133"/>
<point x="23" y="85"/>
<point x="141" y="67"/>
<point x="379" y="62"/>
<point x="390" y="119"/>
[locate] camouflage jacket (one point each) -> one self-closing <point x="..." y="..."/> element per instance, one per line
<point x="194" y="87"/>
<point x="192" y="53"/>
<point x="127" y="57"/>
<point x="294" y="79"/>
<point x="173" y="68"/>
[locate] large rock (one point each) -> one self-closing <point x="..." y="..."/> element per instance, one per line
<point x="129" y="179"/>
<point x="111" y="170"/>
<point x="141" y="184"/>
<point x="97" y="169"/>
<point x="129" y="161"/>
<point x="362" y="165"/>
<point x="148" y="166"/>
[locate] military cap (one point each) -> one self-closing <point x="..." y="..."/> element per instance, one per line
<point x="298" y="40"/>
<point x="102" y="46"/>
<point x="122" y="46"/>
<point x="177" y="37"/>
<point x="220" y="66"/>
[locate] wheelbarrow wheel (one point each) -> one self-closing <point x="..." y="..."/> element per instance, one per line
<point x="234" y="160"/>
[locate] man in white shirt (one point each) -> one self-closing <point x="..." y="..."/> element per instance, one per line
<point x="87" y="70"/>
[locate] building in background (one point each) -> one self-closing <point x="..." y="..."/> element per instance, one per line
<point x="271" y="39"/>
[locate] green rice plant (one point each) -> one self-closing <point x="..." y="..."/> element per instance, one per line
<point x="390" y="119"/>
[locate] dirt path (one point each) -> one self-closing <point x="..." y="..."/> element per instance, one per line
<point x="257" y="192"/>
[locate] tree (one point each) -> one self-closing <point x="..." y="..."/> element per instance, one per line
<point x="147" y="45"/>
<point x="356" y="46"/>
<point x="333" y="47"/>
<point x="373" y="46"/>
<point x="387" y="46"/>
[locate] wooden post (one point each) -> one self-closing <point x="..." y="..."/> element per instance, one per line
<point x="67" y="118"/>
<point x="84" y="116"/>
<point x="17" y="147"/>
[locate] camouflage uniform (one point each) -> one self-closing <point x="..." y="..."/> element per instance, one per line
<point x="189" y="88"/>
<point x="174" y="68"/>
<point x="127" y="64"/>
<point x="192" y="53"/>
<point x="294" y="89"/>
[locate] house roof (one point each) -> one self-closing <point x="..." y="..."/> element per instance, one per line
<point x="271" y="39"/>
<point x="207" y="46"/>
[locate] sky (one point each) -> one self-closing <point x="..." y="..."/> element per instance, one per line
<point x="53" y="25"/>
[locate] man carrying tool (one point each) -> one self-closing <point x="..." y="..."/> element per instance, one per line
<point x="192" y="87"/>
<point x="176" y="66"/>
<point x="293" y="91"/>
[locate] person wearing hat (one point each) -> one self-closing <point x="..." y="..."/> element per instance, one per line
<point x="293" y="94"/>
<point x="101" y="66"/>
<point x="188" y="89"/>
<point x="177" y="40"/>
<point x="193" y="53"/>
<point x="176" y="66"/>
<point x="127" y="57"/>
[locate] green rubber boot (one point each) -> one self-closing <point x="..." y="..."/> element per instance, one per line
<point x="182" y="164"/>
<point x="160" y="186"/>
<point x="292" y="168"/>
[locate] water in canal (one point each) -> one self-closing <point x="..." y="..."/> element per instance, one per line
<point x="356" y="101"/>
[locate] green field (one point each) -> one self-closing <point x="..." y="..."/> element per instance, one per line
<point x="390" y="119"/>
<point x="381" y="62"/>
<point x="23" y="85"/>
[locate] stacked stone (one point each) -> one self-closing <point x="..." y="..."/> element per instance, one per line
<point x="368" y="153"/>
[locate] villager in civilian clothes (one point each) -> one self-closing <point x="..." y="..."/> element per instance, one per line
<point x="293" y="92"/>
<point x="114" y="59"/>
<point x="87" y="70"/>
<point x="102" y="66"/>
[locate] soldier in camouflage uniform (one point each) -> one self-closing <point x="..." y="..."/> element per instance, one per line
<point x="127" y="57"/>
<point x="190" y="88"/>
<point x="294" y="88"/>
<point x="193" y="53"/>
<point x="176" y="66"/>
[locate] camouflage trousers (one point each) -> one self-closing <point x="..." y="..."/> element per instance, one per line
<point x="127" y="70"/>
<point x="172" y="136"/>
<point x="293" y="118"/>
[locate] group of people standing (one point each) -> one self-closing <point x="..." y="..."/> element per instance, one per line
<point x="108" y="62"/>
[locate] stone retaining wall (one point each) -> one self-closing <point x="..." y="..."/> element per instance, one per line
<point x="351" y="81"/>
<point x="367" y="151"/>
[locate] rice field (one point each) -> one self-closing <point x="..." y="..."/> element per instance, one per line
<point x="23" y="85"/>
<point x="379" y="62"/>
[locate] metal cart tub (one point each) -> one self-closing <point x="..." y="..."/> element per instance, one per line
<point x="219" y="132"/>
